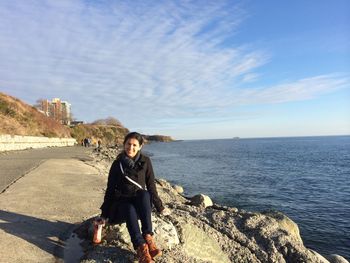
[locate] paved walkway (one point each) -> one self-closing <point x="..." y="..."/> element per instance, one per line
<point x="40" y="209"/>
<point x="15" y="164"/>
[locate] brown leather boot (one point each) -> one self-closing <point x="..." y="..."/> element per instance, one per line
<point x="143" y="254"/>
<point x="153" y="250"/>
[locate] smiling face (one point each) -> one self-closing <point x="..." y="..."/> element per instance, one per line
<point x="132" y="147"/>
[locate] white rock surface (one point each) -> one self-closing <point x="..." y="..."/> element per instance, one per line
<point x="201" y="200"/>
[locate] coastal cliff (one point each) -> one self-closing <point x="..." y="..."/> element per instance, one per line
<point x="157" y="138"/>
<point x="200" y="231"/>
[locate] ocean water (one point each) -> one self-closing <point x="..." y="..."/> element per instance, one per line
<point x="307" y="178"/>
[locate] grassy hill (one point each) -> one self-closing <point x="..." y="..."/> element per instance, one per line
<point x="158" y="138"/>
<point x="19" y="118"/>
<point x="108" y="134"/>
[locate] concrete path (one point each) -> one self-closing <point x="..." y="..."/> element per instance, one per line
<point x="40" y="209"/>
<point x="15" y="164"/>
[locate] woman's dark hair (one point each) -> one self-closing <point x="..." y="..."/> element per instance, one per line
<point x="133" y="135"/>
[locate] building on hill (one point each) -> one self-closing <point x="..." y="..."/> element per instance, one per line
<point x="56" y="109"/>
<point x="66" y="113"/>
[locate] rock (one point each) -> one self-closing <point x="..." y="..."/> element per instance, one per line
<point x="178" y="189"/>
<point x="319" y="257"/>
<point x="287" y="224"/>
<point x="199" y="245"/>
<point x="168" y="194"/>
<point x="333" y="258"/>
<point x="201" y="201"/>
<point x="165" y="234"/>
<point x="162" y="182"/>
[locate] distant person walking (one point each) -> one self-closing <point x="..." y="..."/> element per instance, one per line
<point x="86" y="142"/>
<point x="126" y="198"/>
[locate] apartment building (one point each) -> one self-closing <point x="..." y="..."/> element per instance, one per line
<point x="56" y="109"/>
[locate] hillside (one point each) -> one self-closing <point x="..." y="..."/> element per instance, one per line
<point x="109" y="135"/>
<point x="110" y="132"/>
<point x="19" y="118"/>
<point x="157" y="138"/>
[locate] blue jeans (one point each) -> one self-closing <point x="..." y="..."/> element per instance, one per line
<point x="134" y="208"/>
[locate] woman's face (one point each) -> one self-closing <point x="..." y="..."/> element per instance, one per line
<point x="131" y="147"/>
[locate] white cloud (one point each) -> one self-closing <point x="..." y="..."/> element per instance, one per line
<point x="137" y="60"/>
<point x="299" y="90"/>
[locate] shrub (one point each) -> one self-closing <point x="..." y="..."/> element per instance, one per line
<point x="6" y="109"/>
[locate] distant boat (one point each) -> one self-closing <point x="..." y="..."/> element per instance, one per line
<point x="235" y="138"/>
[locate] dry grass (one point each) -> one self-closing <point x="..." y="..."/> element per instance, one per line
<point x="109" y="135"/>
<point x="19" y="118"/>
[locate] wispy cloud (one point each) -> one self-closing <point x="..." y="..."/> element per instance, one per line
<point x="303" y="89"/>
<point x="138" y="59"/>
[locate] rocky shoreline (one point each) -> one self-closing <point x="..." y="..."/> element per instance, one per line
<point x="200" y="231"/>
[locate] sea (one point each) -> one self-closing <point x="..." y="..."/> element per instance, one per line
<point x="306" y="178"/>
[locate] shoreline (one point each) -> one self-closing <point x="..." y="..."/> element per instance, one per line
<point x="303" y="178"/>
<point x="232" y="235"/>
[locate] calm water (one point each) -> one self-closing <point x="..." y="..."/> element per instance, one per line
<point x="307" y="178"/>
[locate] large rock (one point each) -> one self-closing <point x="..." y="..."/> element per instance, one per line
<point x="319" y="257"/>
<point x="333" y="258"/>
<point x="286" y="224"/>
<point x="199" y="245"/>
<point x="165" y="233"/>
<point x="201" y="201"/>
<point x="179" y="189"/>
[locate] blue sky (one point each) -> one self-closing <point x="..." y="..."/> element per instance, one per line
<point x="189" y="69"/>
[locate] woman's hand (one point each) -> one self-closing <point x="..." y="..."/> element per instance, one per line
<point x="103" y="219"/>
<point x="165" y="212"/>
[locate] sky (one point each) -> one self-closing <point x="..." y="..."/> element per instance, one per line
<point x="189" y="69"/>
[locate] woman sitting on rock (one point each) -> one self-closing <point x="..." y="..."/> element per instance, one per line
<point x="130" y="191"/>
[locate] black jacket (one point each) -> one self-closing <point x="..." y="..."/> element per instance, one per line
<point x="118" y="187"/>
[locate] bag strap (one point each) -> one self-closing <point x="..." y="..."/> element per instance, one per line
<point x="128" y="178"/>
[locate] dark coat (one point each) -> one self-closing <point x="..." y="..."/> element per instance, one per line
<point x="120" y="189"/>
